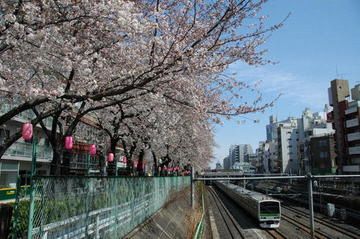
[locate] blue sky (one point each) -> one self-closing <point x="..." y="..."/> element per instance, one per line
<point x="318" y="43"/>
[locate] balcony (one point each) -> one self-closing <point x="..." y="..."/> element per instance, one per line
<point x="351" y="110"/>
<point x="353" y="136"/>
<point x="352" y="123"/>
<point x="24" y="150"/>
<point x="354" y="150"/>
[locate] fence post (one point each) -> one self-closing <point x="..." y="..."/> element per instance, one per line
<point x="87" y="198"/>
<point x="15" y="215"/>
<point x="311" y="206"/>
<point x="97" y="236"/>
<point x="32" y="189"/>
<point x="192" y="188"/>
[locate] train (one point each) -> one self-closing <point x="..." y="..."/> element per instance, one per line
<point x="266" y="210"/>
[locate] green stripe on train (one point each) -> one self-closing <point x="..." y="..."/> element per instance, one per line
<point x="269" y="214"/>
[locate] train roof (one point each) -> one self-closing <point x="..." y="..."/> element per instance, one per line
<point x="255" y="195"/>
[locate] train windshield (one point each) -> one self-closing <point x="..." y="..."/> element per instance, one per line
<point x="269" y="207"/>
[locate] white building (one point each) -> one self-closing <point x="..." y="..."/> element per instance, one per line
<point x="281" y="147"/>
<point x="237" y="153"/>
<point x="268" y="157"/>
<point x="17" y="159"/>
<point x="311" y="125"/>
<point x="288" y="137"/>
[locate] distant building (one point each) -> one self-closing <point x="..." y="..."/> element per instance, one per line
<point x="311" y="125"/>
<point x="288" y="137"/>
<point x="218" y="166"/>
<point x="226" y="163"/>
<point x="237" y="153"/>
<point x="271" y="129"/>
<point x="268" y="157"/>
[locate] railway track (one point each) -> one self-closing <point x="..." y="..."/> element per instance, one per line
<point x="276" y="234"/>
<point x="327" y="224"/>
<point x="302" y="226"/>
<point x="232" y="226"/>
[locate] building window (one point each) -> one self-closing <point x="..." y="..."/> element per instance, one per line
<point x="4" y="135"/>
<point x="324" y="155"/>
<point x="322" y="143"/>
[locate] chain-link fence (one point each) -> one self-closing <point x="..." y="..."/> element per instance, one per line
<point x="97" y="207"/>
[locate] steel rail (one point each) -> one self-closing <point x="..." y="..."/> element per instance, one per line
<point x="330" y="225"/>
<point x="225" y="214"/>
<point x="274" y="177"/>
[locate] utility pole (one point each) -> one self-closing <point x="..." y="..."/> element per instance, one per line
<point x="311" y="206"/>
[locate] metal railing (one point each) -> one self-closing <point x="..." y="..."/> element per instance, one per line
<point x="23" y="149"/>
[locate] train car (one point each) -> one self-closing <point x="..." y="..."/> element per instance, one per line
<point x="264" y="209"/>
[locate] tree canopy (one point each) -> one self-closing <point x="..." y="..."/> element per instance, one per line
<point x="150" y="71"/>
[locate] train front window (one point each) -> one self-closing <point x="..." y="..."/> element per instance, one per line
<point x="269" y="207"/>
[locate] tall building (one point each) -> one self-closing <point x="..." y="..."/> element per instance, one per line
<point x="271" y="129"/>
<point x="352" y="133"/>
<point x="282" y="140"/>
<point x="288" y="137"/>
<point x="338" y="94"/>
<point x="237" y="153"/>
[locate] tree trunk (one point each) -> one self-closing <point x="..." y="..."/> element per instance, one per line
<point x="113" y="143"/>
<point x="58" y="154"/>
<point x="140" y="164"/>
<point x="155" y="163"/>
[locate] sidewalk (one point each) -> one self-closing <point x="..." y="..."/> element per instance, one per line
<point x="175" y="220"/>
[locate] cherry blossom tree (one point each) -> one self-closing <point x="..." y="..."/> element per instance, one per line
<point x="88" y="55"/>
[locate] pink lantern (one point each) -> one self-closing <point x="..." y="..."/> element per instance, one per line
<point x="27" y="131"/>
<point x="92" y="149"/>
<point x="110" y="157"/>
<point x="69" y="142"/>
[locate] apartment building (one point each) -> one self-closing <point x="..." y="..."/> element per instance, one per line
<point x="237" y="153"/>
<point x="16" y="162"/>
<point x="338" y="99"/>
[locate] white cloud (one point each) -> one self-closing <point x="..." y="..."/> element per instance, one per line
<point x="299" y="90"/>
